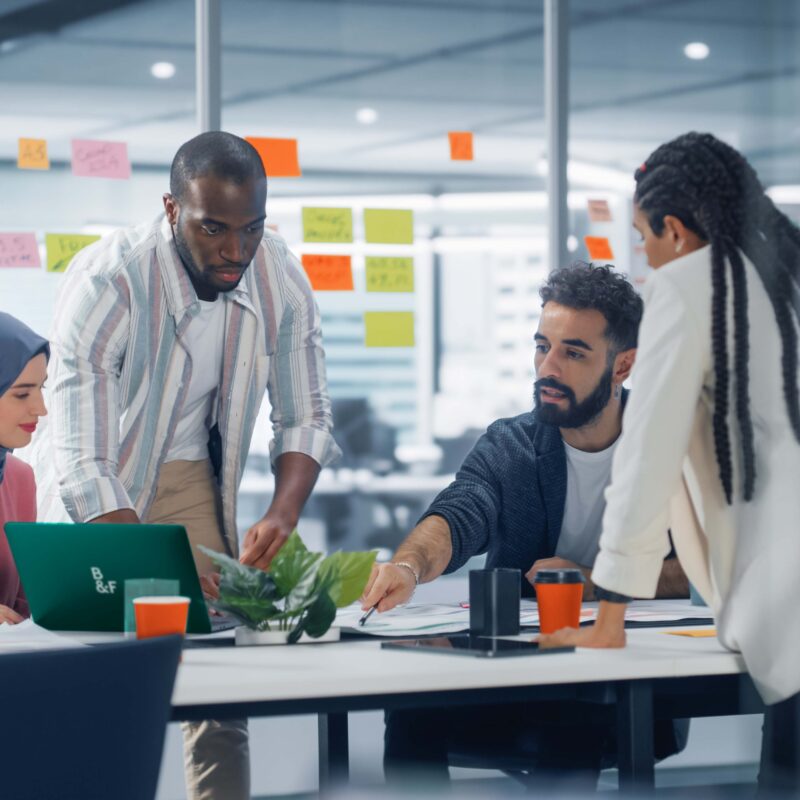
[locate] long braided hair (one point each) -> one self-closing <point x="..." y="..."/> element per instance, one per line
<point x="712" y="189"/>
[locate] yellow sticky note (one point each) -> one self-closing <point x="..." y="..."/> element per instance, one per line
<point x="61" y="247"/>
<point x="32" y="154"/>
<point x="702" y="633"/>
<point x="327" y="225"/>
<point x="389" y="328"/>
<point x="388" y="274"/>
<point x="389" y="226"/>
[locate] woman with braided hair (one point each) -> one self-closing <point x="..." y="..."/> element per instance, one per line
<point x="711" y="443"/>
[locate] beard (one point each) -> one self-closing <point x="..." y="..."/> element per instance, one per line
<point x="576" y="415"/>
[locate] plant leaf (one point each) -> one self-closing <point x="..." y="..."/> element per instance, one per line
<point x="293" y="569"/>
<point x="344" y="575"/>
<point x="320" y="616"/>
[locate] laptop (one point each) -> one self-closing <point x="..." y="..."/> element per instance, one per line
<point x="74" y="574"/>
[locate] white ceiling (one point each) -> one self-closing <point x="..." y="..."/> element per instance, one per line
<point x="301" y="68"/>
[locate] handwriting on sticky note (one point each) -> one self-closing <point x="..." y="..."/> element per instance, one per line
<point x="279" y="156"/>
<point x="327" y="225"/>
<point x="19" y="250"/>
<point x="599" y="210"/>
<point x="389" y="328"/>
<point x="389" y="226"/>
<point x="96" y="159"/>
<point x="599" y="248"/>
<point x="388" y="274"/>
<point x="329" y="273"/>
<point x="62" y="247"/>
<point x="32" y="154"/>
<point x="460" y="145"/>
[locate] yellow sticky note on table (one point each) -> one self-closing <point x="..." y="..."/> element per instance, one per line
<point x="388" y="226"/>
<point x="389" y="328"/>
<point x="702" y="633"/>
<point x="327" y="225"/>
<point x="62" y="247"/>
<point x="388" y="274"/>
<point x="32" y="154"/>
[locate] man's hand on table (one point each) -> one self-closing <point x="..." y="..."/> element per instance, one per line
<point x="608" y="630"/>
<point x="388" y="586"/>
<point x="265" y="538"/>
<point x="563" y="563"/>
<point x="9" y="615"/>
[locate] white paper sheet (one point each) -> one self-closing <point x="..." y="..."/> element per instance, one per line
<point x="27" y="635"/>
<point x="426" y="618"/>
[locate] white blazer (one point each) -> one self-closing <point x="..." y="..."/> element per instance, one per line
<point x="744" y="559"/>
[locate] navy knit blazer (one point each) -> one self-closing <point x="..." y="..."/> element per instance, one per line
<point x="508" y="497"/>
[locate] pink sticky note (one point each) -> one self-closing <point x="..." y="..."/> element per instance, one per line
<point x="19" y="250"/>
<point x="93" y="159"/>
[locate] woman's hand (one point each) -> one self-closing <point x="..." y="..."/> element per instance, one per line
<point x="607" y="631"/>
<point x="9" y="615"/>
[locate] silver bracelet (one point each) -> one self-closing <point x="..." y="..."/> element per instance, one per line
<point x="410" y="568"/>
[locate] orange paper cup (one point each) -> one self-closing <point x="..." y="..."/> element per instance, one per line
<point x="160" y="616"/>
<point x="559" y="593"/>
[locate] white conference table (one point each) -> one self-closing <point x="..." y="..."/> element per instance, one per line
<point x="655" y="675"/>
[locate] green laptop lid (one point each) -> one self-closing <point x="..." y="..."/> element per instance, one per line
<point x="74" y="574"/>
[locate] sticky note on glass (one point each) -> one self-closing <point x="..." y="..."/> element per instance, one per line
<point x="327" y="225"/>
<point x="389" y="328"/>
<point x="279" y="156"/>
<point x="388" y="226"/>
<point x="599" y="248"/>
<point x="599" y="210"/>
<point x="697" y="634"/>
<point x="32" y="154"/>
<point x="387" y="274"/>
<point x="19" y="250"/>
<point x="61" y="248"/>
<point x="96" y="159"/>
<point x="329" y="273"/>
<point x="460" y="145"/>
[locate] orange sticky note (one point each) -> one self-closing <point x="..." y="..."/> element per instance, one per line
<point x="329" y="273"/>
<point x="278" y="155"/>
<point x="32" y="154"/>
<point x="599" y="248"/>
<point x="460" y="145"/>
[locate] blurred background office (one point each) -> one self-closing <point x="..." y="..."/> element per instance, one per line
<point x="370" y="90"/>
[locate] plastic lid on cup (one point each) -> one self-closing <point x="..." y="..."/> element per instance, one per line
<point x="163" y="599"/>
<point x="559" y="576"/>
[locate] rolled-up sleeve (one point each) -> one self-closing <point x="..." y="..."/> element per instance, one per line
<point x="88" y="341"/>
<point x="297" y="385"/>
<point x="667" y="381"/>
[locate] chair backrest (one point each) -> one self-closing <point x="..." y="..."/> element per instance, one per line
<point x="86" y="722"/>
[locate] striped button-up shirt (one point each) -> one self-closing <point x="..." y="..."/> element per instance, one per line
<point x="120" y="373"/>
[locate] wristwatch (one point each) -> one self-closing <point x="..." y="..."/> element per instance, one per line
<point x="610" y="597"/>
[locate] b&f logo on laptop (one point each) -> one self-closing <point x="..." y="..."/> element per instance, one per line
<point x="101" y="586"/>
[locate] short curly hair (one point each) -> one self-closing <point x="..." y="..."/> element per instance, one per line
<point x="602" y="288"/>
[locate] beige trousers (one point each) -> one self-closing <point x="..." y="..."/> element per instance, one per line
<point x="216" y="752"/>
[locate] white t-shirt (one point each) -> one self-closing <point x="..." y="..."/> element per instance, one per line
<point x="588" y="474"/>
<point x="204" y="340"/>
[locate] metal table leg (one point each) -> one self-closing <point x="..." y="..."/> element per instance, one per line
<point x="635" y="736"/>
<point x="334" y="760"/>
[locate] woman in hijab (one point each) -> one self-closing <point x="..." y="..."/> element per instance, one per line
<point x="23" y="370"/>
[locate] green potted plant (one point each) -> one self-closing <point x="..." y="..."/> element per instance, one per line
<point x="297" y="596"/>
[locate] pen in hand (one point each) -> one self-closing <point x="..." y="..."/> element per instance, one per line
<point x="367" y="615"/>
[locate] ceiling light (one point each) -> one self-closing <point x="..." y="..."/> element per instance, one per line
<point x="367" y="116"/>
<point x="697" y="51"/>
<point x="163" y="70"/>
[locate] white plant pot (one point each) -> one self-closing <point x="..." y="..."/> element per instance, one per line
<point x="247" y="637"/>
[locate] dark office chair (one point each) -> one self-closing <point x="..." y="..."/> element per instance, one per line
<point x="87" y="722"/>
